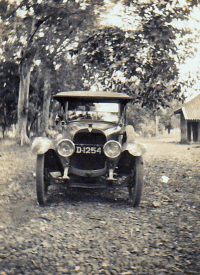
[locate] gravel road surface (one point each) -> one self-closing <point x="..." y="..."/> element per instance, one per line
<point x="97" y="231"/>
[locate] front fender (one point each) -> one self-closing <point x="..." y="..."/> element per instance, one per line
<point x="136" y="149"/>
<point x="41" y="145"/>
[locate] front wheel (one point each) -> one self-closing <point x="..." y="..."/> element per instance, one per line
<point x="136" y="182"/>
<point x="42" y="182"/>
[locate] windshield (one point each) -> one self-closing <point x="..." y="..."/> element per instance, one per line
<point x="95" y="111"/>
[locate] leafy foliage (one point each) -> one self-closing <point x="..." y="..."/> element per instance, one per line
<point x="40" y="30"/>
<point x="142" y="62"/>
<point x="68" y="39"/>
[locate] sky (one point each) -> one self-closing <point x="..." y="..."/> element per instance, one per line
<point x="191" y="67"/>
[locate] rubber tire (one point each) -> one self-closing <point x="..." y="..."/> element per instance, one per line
<point x="41" y="187"/>
<point x="136" y="182"/>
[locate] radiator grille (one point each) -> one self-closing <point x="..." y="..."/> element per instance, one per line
<point x="89" y="138"/>
<point x="89" y="161"/>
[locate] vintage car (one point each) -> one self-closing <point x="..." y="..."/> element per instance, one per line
<point x="94" y="147"/>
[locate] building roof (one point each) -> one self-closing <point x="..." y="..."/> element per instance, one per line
<point x="93" y="96"/>
<point x="191" y="109"/>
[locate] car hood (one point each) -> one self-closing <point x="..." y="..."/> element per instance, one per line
<point x="107" y="128"/>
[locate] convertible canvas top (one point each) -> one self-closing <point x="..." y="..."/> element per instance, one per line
<point x="93" y="96"/>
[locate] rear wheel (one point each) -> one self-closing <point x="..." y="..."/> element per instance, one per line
<point x="136" y="182"/>
<point x="42" y="180"/>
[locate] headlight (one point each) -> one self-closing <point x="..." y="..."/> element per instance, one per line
<point x="65" y="148"/>
<point x="112" y="149"/>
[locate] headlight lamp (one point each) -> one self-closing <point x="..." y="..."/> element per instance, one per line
<point x="65" y="148"/>
<point x="112" y="149"/>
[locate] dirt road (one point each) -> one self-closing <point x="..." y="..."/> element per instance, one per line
<point x="98" y="232"/>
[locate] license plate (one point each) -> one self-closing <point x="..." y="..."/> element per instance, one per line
<point x="80" y="149"/>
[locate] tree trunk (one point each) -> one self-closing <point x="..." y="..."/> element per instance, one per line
<point x="156" y="130"/>
<point x="23" y="103"/>
<point x="4" y="124"/>
<point x="23" y="100"/>
<point x="46" y="104"/>
<point x="3" y="131"/>
<point x="31" y="126"/>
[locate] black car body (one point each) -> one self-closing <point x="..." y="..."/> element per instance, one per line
<point x="94" y="146"/>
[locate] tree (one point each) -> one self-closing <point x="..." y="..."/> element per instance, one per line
<point x="9" y="85"/>
<point x="23" y="99"/>
<point x="32" y="22"/>
<point x="141" y="62"/>
<point x="138" y="57"/>
<point x="46" y="102"/>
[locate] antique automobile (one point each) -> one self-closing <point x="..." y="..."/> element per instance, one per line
<point x="94" y="147"/>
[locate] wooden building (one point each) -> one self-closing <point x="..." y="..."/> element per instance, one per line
<point x="190" y="120"/>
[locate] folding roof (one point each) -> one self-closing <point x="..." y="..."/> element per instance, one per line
<point x="93" y="96"/>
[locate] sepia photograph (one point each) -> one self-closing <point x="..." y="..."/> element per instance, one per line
<point x="99" y="137"/>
